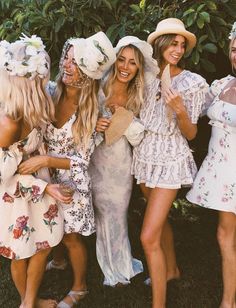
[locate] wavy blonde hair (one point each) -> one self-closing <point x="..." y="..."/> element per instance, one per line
<point x="23" y="98"/>
<point x="87" y="110"/>
<point x="230" y="51"/>
<point x="136" y="85"/>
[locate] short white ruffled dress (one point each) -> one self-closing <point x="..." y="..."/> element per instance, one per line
<point x="163" y="158"/>
<point x="215" y="184"/>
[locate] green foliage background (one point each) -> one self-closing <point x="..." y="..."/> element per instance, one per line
<point x="57" y="20"/>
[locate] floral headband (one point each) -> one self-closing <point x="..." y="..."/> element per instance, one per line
<point x="232" y="34"/>
<point x="24" y="57"/>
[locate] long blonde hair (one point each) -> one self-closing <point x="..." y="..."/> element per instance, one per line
<point x="87" y="110"/>
<point x="230" y="51"/>
<point x="136" y="85"/>
<point x="23" y="98"/>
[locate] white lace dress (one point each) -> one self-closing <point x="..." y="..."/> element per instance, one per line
<point x="163" y="158"/>
<point x="112" y="187"/>
<point x="215" y="184"/>
<point x="79" y="215"/>
<point x="30" y="220"/>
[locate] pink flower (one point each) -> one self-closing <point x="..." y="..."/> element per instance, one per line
<point x="8" y="199"/>
<point x="21" y="222"/>
<point x="199" y="198"/>
<point x="7" y="252"/>
<point x="42" y="245"/>
<point x="52" y="212"/>
<point x="35" y="190"/>
<point x="224" y="199"/>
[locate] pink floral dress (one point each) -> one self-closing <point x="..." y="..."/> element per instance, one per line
<point x="30" y="220"/>
<point x="215" y="184"/>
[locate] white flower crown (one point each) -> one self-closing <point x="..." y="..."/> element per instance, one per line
<point x="233" y="31"/>
<point x="25" y="57"/>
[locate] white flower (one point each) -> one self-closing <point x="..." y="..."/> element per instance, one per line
<point x="31" y="50"/>
<point x="233" y="31"/>
<point x="33" y="41"/>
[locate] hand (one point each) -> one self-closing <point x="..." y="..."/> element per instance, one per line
<point x="102" y="124"/>
<point x="174" y="100"/>
<point x="54" y="191"/>
<point x="33" y="164"/>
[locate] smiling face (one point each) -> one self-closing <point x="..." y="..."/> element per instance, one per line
<point x="71" y="73"/>
<point x="126" y="66"/>
<point x="232" y="53"/>
<point x="175" y="51"/>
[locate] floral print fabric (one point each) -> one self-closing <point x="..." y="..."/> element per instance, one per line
<point x="163" y="158"/>
<point x="215" y="184"/>
<point x="31" y="220"/>
<point x="79" y="215"/>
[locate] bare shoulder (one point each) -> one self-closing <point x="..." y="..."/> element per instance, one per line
<point x="9" y="131"/>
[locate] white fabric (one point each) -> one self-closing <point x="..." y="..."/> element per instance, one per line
<point x="163" y="158"/>
<point x="215" y="184"/>
<point x="112" y="186"/>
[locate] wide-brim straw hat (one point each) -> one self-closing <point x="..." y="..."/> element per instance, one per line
<point x="173" y="26"/>
<point x="151" y="68"/>
<point x="94" y="55"/>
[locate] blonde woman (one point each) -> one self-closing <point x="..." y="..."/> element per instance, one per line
<point x="122" y="90"/>
<point x="31" y="222"/>
<point x="163" y="161"/>
<point x="70" y="141"/>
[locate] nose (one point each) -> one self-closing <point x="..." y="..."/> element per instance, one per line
<point x="125" y="64"/>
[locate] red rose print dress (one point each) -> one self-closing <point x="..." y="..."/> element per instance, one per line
<point x="30" y="220"/>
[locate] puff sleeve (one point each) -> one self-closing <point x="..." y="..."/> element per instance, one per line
<point x="14" y="184"/>
<point x="135" y="132"/>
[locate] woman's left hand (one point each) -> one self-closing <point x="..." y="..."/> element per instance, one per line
<point x="174" y="100"/>
<point x="33" y="164"/>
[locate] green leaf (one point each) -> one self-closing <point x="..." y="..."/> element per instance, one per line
<point x="201" y="6"/>
<point x="190" y="20"/>
<point x="210" y="47"/>
<point x="195" y="57"/>
<point x="202" y="38"/>
<point x="200" y="23"/>
<point x="60" y="22"/>
<point x="189" y="11"/>
<point x="211" y="5"/>
<point x="205" y="16"/>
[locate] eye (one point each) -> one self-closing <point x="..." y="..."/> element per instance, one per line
<point x="120" y="59"/>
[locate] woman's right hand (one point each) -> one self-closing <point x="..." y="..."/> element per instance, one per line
<point x="102" y="124"/>
<point x="54" y="191"/>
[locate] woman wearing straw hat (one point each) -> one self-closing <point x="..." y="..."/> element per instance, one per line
<point x="163" y="161"/>
<point x="121" y="93"/>
<point x="31" y="221"/>
<point x="70" y="140"/>
<point x="215" y="184"/>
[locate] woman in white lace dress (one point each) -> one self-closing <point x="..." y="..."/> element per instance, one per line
<point x="163" y="161"/>
<point x="31" y="222"/>
<point x="215" y="184"/>
<point x="111" y="164"/>
<point x="70" y="141"/>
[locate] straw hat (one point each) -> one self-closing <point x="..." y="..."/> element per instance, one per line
<point x="151" y="68"/>
<point x="94" y="55"/>
<point x="173" y="26"/>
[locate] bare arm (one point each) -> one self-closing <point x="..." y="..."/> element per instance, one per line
<point x="35" y="163"/>
<point x="174" y="100"/>
<point x="9" y="131"/>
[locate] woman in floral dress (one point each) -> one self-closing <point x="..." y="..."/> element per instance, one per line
<point x="31" y="222"/>
<point x="215" y="184"/>
<point x="163" y="161"/>
<point x="70" y="141"/>
<point x="110" y="164"/>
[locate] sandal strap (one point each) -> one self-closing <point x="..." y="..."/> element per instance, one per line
<point x="73" y="294"/>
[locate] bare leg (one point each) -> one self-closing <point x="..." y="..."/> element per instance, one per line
<point x="78" y="258"/>
<point x="226" y="235"/>
<point x="27" y="277"/>
<point x="167" y="243"/>
<point x="19" y="275"/>
<point x="159" y="203"/>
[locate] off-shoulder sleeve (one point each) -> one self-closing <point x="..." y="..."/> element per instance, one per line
<point x="79" y="162"/>
<point x="135" y="132"/>
<point x="194" y="96"/>
<point x="16" y="185"/>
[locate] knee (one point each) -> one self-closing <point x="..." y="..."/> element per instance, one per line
<point x="149" y="241"/>
<point x="71" y="240"/>
<point x="225" y="237"/>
